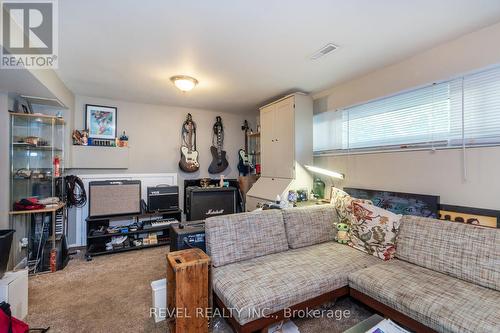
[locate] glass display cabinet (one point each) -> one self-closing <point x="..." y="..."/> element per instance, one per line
<point x="254" y="151"/>
<point x="37" y="168"/>
<point x="37" y="155"/>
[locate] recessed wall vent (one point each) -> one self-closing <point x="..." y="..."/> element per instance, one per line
<point x="324" y="51"/>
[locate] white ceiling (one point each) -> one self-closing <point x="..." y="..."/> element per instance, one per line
<point x="246" y="52"/>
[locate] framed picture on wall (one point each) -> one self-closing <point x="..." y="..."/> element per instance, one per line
<point x="470" y="215"/>
<point x="100" y="121"/>
<point x="398" y="202"/>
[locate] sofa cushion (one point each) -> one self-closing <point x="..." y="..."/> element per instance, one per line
<point x="277" y="281"/>
<point x="468" y="252"/>
<point x="232" y="238"/>
<point x="309" y="225"/>
<point x="374" y="230"/>
<point x="441" y="302"/>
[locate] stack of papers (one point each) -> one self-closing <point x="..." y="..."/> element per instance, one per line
<point x="284" y="327"/>
<point x="387" y="326"/>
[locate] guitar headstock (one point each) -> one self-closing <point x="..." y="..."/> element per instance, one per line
<point x="189" y="124"/>
<point x="218" y="125"/>
<point x="245" y="126"/>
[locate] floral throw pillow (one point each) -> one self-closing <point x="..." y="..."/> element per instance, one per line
<point x="374" y="230"/>
<point x="343" y="204"/>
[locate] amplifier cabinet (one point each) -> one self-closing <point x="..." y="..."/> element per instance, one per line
<point x="202" y="203"/>
<point x="187" y="235"/>
<point x="114" y="198"/>
<point x="163" y="198"/>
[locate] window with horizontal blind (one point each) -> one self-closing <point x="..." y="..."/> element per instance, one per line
<point x="440" y="115"/>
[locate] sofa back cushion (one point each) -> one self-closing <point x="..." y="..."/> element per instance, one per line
<point x="467" y="252"/>
<point x="237" y="237"/>
<point x="311" y="225"/>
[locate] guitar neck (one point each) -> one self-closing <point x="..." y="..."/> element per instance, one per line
<point x="219" y="142"/>
<point x="190" y="140"/>
<point x="246" y="142"/>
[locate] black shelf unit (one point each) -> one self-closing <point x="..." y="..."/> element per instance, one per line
<point x="96" y="243"/>
<point x="129" y="248"/>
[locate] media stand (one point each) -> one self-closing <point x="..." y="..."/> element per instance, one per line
<point x="145" y="232"/>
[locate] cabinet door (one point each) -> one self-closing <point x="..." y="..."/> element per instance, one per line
<point x="267" y="141"/>
<point x="284" y="138"/>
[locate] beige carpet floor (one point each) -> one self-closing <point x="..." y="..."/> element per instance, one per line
<point x="112" y="293"/>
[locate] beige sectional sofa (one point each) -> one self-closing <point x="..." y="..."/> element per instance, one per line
<point x="446" y="276"/>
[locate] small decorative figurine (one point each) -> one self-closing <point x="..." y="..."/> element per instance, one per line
<point x="123" y="141"/>
<point x="205" y="182"/>
<point x="342" y="230"/>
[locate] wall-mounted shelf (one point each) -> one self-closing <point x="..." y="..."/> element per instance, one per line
<point x="95" y="157"/>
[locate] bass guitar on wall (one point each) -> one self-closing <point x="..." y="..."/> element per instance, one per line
<point x="189" y="155"/>
<point x="219" y="161"/>
<point x="244" y="164"/>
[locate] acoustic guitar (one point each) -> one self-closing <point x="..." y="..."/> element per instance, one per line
<point x="244" y="164"/>
<point x="219" y="161"/>
<point x="189" y="155"/>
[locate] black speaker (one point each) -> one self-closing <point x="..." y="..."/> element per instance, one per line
<point x="202" y="203"/>
<point x="163" y="198"/>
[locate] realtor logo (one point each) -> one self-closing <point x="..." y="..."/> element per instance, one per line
<point x="29" y="34"/>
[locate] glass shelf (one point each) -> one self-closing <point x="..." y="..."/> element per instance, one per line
<point x="26" y="146"/>
<point x="39" y="118"/>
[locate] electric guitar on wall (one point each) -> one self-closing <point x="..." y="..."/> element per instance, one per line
<point x="219" y="161"/>
<point x="189" y="155"/>
<point x="244" y="164"/>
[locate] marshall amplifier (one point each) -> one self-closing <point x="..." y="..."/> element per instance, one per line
<point x="163" y="198"/>
<point x="202" y="203"/>
<point x="187" y="235"/>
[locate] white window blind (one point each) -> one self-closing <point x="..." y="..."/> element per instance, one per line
<point x="481" y="109"/>
<point x="427" y="116"/>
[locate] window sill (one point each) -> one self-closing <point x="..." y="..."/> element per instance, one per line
<point x="400" y="150"/>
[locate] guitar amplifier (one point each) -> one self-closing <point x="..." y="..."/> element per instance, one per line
<point x="114" y="198"/>
<point x="187" y="235"/>
<point x="163" y="198"/>
<point x="202" y="203"/>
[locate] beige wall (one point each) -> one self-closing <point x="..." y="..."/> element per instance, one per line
<point x="426" y="172"/>
<point x="154" y="132"/>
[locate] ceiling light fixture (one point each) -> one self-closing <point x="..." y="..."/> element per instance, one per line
<point x="325" y="172"/>
<point x="183" y="82"/>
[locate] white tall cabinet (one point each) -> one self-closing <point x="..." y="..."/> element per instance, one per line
<point x="286" y="146"/>
<point x="286" y="135"/>
<point x="277" y="136"/>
